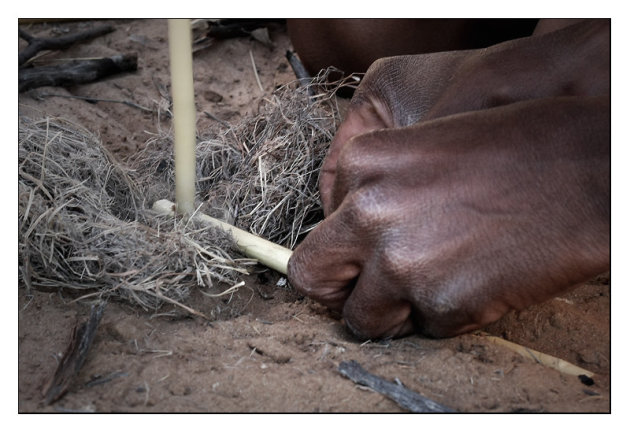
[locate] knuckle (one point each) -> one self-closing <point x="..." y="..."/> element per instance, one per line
<point x="367" y="210"/>
<point x="444" y="313"/>
<point x="348" y="161"/>
<point x="443" y="307"/>
<point x="353" y="164"/>
<point x="367" y="158"/>
<point x="384" y="65"/>
<point x="381" y="87"/>
<point x="400" y="264"/>
<point x="355" y="169"/>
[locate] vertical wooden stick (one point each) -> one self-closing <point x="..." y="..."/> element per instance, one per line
<point x="180" y="48"/>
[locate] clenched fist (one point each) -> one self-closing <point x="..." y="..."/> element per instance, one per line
<point x="464" y="184"/>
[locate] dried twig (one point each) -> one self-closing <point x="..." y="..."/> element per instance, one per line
<point x="36" y="45"/>
<point x="256" y="72"/>
<point x="75" y="72"/>
<point x="403" y="396"/>
<point x="99" y="380"/>
<point x="74" y="356"/>
<point x="300" y="71"/>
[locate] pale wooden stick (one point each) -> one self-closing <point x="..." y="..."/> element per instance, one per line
<point x="180" y="47"/>
<point x="256" y="72"/>
<point x="269" y="254"/>
<point x="542" y="358"/>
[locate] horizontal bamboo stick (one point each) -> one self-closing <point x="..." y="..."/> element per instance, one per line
<point x="267" y="253"/>
<point x="542" y="358"/>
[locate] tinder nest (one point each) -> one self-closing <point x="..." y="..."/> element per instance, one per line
<point x="85" y="218"/>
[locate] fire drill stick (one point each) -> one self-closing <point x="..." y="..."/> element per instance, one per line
<point x="184" y="117"/>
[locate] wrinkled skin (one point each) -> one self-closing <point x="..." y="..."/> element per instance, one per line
<point x="464" y="184"/>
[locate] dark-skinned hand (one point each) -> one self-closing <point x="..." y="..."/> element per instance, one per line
<point x="462" y="185"/>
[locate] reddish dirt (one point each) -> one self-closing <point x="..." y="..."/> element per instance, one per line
<point x="281" y="352"/>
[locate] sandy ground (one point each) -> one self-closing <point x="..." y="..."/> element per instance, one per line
<point x="281" y="351"/>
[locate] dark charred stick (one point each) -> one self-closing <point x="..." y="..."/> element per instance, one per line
<point x="27" y="37"/>
<point x="36" y="45"/>
<point x="75" y="72"/>
<point x="104" y="379"/>
<point x="74" y="356"/>
<point x="404" y="397"/>
<point x="300" y="71"/>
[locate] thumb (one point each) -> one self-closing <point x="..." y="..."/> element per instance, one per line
<point x="326" y="264"/>
<point x="376" y="307"/>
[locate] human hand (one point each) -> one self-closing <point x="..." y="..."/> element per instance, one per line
<point x="444" y="212"/>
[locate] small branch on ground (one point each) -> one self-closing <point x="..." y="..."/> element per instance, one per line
<point x="403" y="396"/>
<point x="36" y="45"/>
<point x="74" y="356"/>
<point x="75" y="72"/>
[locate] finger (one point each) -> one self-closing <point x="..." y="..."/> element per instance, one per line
<point x="366" y="160"/>
<point x="326" y="264"/>
<point x="384" y="100"/>
<point x="386" y="161"/>
<point x="377" y="307"/>
<point x="363" y="116"/>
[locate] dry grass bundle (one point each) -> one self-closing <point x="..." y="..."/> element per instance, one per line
<point x="81" y="226"/>
<point x="262" y="174"/>
<point x="85" y="222"/>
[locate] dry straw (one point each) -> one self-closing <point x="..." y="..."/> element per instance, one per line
<point x="260" y="175"/>
<point x="85" y="219"/>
